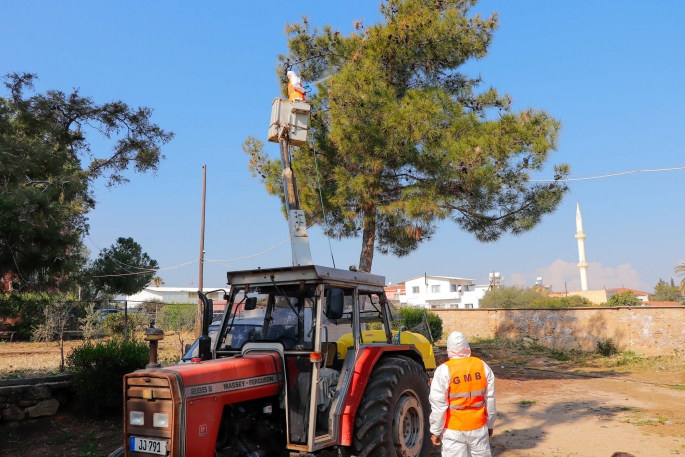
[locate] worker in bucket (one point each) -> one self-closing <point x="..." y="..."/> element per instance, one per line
<point x="462" y="401"/>
<point x="295" y="89"/>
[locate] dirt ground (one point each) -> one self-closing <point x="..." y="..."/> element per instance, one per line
<point x="578" y="406"/>
<point x="587" y="407"/>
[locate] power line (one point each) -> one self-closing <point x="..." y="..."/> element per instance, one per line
<point x="656" y="170"/>
<point x="248" y="256"/>
<point x="122" y="264"/>
<point x="148" y="272"/>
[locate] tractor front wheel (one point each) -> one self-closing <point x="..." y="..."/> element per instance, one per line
<point x="392" y="420"/>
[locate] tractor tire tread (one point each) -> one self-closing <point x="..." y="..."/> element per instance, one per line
<point x="373" y="421"/>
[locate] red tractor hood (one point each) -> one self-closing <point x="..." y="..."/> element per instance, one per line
<point x="231" y="375"/>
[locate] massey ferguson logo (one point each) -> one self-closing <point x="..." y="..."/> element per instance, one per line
<point x="229" y="386"/>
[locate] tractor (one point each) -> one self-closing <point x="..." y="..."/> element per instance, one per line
<point x="308" y="373"/>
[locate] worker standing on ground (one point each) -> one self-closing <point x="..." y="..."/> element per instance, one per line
<point x="462" y="398"/>
<point x="295" y="89"/>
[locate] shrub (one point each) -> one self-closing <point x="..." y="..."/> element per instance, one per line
<point x="523" y="297"/>
<point x="177" y="318"/>
<point x="89" y="324"/>
<point x="607" y="347"/>
<point x="628" y="358"/>
<point x="151" y="306"/>
<point x="115" y="324"/>
<point x="414" y="319"/>
<point x="99" y="369"/>
<point x="28" y="307"/>
<point x="626" y="298"/>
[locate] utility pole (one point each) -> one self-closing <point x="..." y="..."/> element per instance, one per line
<point x="198" y="321"/>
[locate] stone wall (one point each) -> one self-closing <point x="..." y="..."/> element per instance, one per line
<point x="28" y="398"/>
<point x="647" y="331"/>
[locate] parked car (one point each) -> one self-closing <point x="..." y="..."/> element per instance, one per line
<point x="103" y="313"/>
<point x="242" y="331"/>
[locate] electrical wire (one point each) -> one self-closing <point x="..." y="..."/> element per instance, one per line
<point x="656" y="170"/>
<point x="323" y="211"/>
<point x="147" y="272"/>
<point x="122" y="264"/>
<point x="248" y="256"/>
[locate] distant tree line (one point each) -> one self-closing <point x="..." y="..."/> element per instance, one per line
<point x="524" y="297"/>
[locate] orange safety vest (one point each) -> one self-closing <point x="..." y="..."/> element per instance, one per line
<point x="467" y="388"/>
<point x="294" y="93"/>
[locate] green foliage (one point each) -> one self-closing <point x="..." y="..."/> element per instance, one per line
<point x="628" y="358"/>
<point x="115" y="324"/>
<point x="28" y="307"/>
<point x="406" y="140"/>
<point x="109" y="271"/>
<point x="607" y="347"/>
<point x="680" y="271"/>
<point x="177" y="318"/>
<point x="89" y="324"/>
<point x="151" y="306"/>
<point x="414" y="320"/>
<point x="664" y="291"/>
<point x="99" y="369"/>
<point x="47" y="168"/>
<point x="524" y="297"/>
<point x="626" y="298"/>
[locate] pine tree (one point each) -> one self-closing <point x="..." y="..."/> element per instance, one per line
<point x="47" y="168"/>
<point x="404" y="140"/>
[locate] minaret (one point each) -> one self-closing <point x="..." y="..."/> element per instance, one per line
<point x="580" y="236"/>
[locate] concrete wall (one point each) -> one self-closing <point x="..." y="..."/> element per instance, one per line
<point x="648" y="331"/>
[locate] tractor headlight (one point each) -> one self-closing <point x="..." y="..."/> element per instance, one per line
<point x="160" y="420"/>
<point x="136" y="418"/>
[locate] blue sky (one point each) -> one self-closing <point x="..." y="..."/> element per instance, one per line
<point x="611" y="71"/>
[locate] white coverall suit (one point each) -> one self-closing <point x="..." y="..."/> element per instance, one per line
<point x="474" y="443"/>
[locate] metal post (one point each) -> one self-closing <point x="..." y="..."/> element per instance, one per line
<point x="198" y="323"/>
<point x="425" y="317"/>
<point x="292" y="200"/>
<point x="125" y="319"/>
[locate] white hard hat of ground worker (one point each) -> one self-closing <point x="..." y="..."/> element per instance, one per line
<point x="457" y="346"/>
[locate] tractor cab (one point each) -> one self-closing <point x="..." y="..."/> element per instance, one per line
<point x="306" y="310"/>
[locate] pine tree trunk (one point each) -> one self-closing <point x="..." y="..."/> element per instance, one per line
<point x="368" y="240"/>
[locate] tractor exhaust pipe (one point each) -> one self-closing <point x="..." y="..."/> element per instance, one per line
<point x="205" y="343"/>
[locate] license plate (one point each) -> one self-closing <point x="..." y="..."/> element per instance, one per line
<point x="147" y="445"/>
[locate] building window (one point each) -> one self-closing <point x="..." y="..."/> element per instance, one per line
<point x="435" y="289"/>
<point x="453" y="287"/>
<point x="415" y="290"/>
<point x="468" y="306"/>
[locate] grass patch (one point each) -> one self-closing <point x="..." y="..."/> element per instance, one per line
<point x="628" y="358"/>
<point x="647" y="422"/>
<point x="527" y="402"/>
<point x="22" y="359"/>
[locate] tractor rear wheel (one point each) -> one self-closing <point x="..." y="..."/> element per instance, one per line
<point x="392" y="419"/>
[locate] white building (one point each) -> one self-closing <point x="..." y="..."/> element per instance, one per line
<point x="171" y="295"/>
<point x="442" y="292"/>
